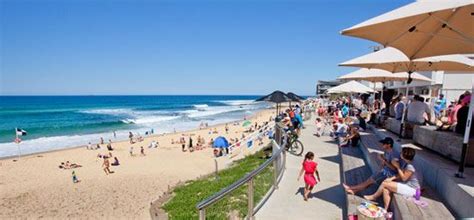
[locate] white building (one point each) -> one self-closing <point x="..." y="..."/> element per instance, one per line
<point x="451" y="85"/>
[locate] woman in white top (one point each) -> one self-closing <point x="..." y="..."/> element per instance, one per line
<point x="406" y="174"/>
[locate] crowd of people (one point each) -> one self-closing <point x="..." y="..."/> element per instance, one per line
<point x="346" y="117"/>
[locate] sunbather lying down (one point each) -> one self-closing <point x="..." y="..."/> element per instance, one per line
<point x="68" y="165"/>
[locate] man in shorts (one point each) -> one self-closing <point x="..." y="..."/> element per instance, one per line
<point x="388" y="170"/>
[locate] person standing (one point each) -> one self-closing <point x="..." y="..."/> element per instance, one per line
<point x="399" y="108"/>
<point x="309" y="168"/>
<point x="130" y="136"/>
<point x="106" y="165"/>
<point x="191" y="147"/>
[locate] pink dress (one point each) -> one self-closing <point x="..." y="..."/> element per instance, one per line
<point x="309" y="168"/>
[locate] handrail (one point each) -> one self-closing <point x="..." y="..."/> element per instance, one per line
<point x="214" y="198"/>
<point x="248" y="178"/>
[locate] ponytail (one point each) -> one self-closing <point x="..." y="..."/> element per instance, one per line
<point x="309" y="155"/>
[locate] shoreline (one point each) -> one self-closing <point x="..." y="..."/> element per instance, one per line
<point x="66" y="148"/>
<point x="34" y="186"/>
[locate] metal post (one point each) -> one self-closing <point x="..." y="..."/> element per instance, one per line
<point x="217" y="169"/>
<point x="250" y="200"/>
<point x="202" y="214"/>
<point x="467" y="132"/>
<point x="275" y="171"/>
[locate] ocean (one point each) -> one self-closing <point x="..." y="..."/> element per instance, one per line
<point x="57" y="122"/>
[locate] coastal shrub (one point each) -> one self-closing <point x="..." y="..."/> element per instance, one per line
<point x="183" y="204"/>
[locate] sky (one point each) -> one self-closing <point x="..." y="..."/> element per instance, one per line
<point x="226" y="47"/>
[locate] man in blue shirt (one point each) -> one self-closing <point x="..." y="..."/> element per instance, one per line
<point x="345" y="111"/>
<point x="440" y="105"/>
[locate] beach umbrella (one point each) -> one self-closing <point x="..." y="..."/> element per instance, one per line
<point x="294" y="97"/>
<point x="350" y="87"/>
<point x="393" y="60"/>
<point x="423" y="28"/>
<point x="246" y="123"/>
<point x="220" y="142"/>
<point x="275" y="97"/>
<point x="372" y="75"/>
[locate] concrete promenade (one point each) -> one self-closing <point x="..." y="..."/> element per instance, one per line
<point x="328" y="198"/>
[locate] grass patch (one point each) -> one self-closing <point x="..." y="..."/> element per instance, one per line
<point x="183" y="204"/>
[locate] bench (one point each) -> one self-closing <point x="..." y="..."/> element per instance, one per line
<point x="448" y="144"/>
<point x="355" y="171"/>
<point x="400" y="206"/>
<point x="393" y="125"/>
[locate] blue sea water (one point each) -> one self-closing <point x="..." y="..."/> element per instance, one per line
<point x="55" y="122"/>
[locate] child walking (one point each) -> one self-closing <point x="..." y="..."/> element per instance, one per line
<point x="309" y="168"/>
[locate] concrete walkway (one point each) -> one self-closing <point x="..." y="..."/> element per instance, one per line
<point x="328" y="198"/>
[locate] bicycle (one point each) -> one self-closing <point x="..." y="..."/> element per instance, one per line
<point x="293" y="145"/>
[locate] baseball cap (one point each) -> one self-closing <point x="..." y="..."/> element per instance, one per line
<point x="387" y="140"/>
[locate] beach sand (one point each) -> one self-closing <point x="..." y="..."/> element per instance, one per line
<point x="35" y="187"/>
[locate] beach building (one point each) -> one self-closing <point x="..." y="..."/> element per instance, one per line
<point x="323" y="85"/>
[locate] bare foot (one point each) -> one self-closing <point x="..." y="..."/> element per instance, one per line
<point x="305" y="199"/>
<point x="348" y="189"/>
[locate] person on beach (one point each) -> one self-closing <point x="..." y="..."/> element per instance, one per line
<point x="131" y="151"/>
<point x="142" y="151"/>
<point x="387" y="171"/>
<point x="74" y="177"/>
<point x="190" y="146"/>
<point x="116" y="162"/>
<point x="97" y="146"/>
<point x="309" y="168"/>
<point x="106" y="166"/>
<point x="130" y="136"/>
<point x="89" y="146"/>
<point x="115" y="135"/>
<point x="408" y="184"/>
<point x="101" y="140"/>
<point x="226" y="129"/>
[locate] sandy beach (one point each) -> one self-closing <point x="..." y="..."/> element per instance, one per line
<point x="35" y="187"/>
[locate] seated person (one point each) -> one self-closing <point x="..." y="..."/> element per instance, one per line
<point x="116" y="162"/>
<point x="407" y="183"/>
<point x="217" y="152"/>
<point x="353" y="138"/>
<point x="362" y="123"/>
<point x="388" y="170"/>
<point x="416" y="111"/>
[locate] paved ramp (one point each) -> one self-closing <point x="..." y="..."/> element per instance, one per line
<point x="328" y="198"/>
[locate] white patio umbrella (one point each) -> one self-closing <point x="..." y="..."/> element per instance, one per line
<point x="393" y="60"/>
<point x="350" y="87"/>
<point x="374" y="76"/>
<point x="423" y="28"/>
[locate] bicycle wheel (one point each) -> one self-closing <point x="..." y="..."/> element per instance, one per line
<point x="296" y="148"/>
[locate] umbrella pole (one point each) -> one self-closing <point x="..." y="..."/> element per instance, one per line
<point x="405" y="105"/>
<point x="467" y="132"/>
<point x="381" y="102"/>
<point x="373" y="104"/>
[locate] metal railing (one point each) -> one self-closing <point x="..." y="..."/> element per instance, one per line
<point x="278" y="160"/>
